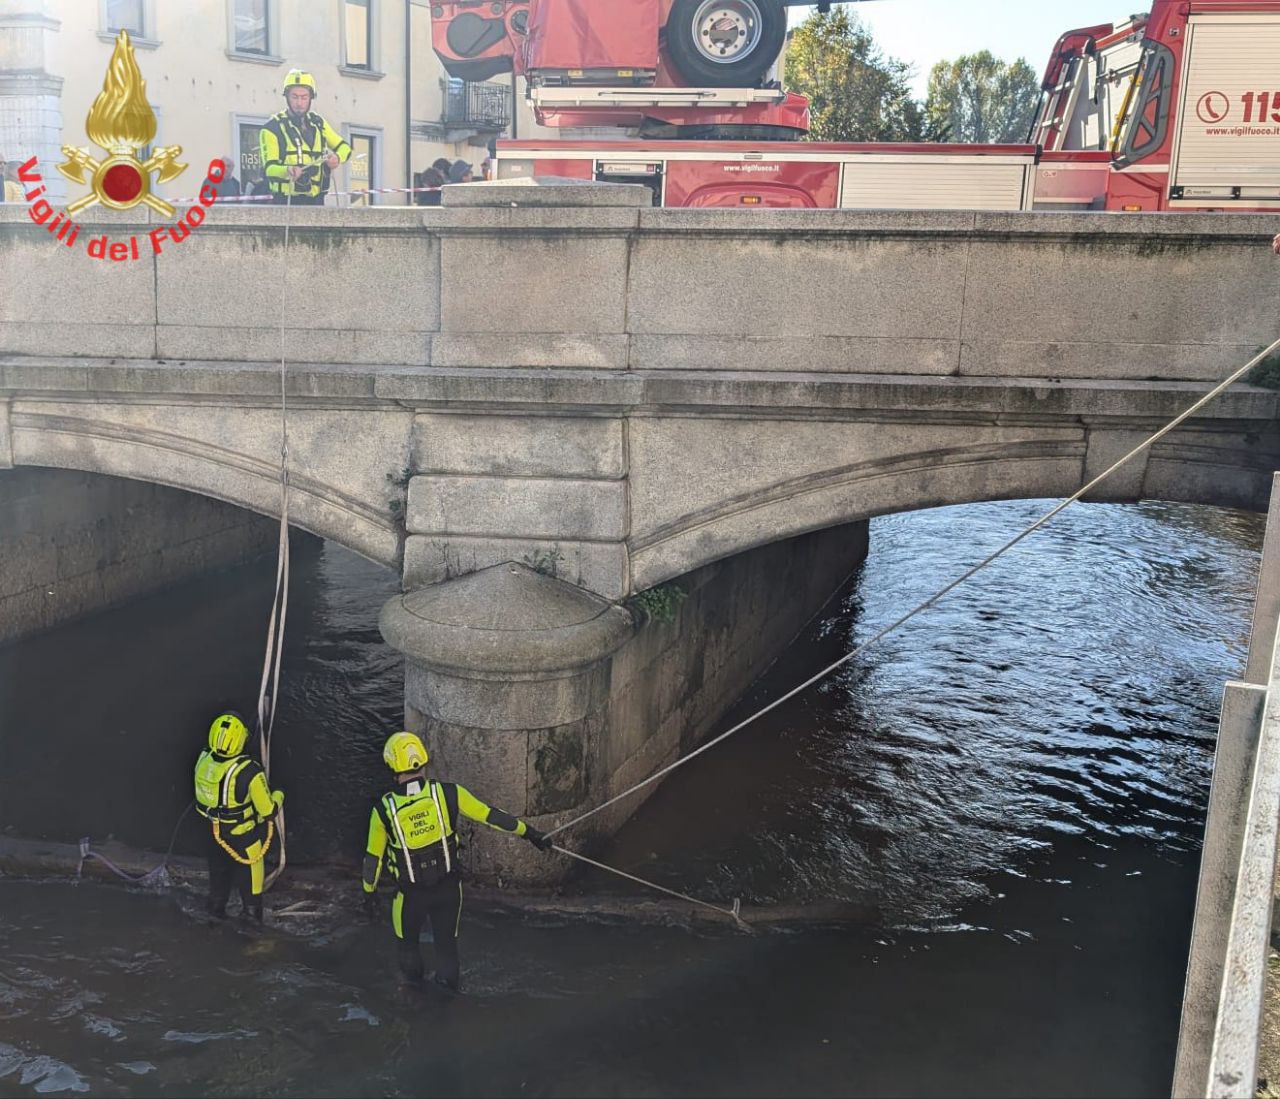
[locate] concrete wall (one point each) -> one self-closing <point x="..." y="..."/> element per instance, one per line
<point x="672" y="682"/>
<point x="75" y="543"/>
<point x="548" y="701"/>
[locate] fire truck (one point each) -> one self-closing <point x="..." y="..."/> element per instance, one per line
<point x="1176" y="109"/>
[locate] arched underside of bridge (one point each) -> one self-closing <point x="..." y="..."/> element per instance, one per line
<point x="1192" y="467"/>
<point x="691" y="491"/>
<point x="75" y="438"/>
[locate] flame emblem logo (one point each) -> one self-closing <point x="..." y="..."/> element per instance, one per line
<point x="121" y="122"/>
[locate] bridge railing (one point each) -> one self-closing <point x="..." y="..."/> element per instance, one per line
<point x="1227" y="969"/>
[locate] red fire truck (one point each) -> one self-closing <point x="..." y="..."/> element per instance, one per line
<point x="1172" y="110"/>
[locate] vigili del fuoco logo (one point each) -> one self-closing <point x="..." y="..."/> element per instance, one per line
<point x="121" y="123"/>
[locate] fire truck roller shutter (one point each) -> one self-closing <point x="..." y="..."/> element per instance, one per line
<point x="725" y="43"/>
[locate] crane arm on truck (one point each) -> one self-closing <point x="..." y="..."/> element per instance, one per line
<point x="673" y="43"/>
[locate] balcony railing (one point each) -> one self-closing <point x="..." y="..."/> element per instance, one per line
<point x="478" y="106"/>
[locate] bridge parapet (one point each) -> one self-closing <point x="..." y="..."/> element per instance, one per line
<point x="603" y="284"/>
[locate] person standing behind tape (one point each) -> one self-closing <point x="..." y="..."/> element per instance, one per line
<point x="10" y="188"/>
<point x="299" y="148"/>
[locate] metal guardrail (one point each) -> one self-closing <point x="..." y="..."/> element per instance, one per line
<point x="1233" y="1064"/>
<point x="1231" y="940"/>
<point x="480" y="106"/>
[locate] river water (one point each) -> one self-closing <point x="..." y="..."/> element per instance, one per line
<point x="1013" y="785"/>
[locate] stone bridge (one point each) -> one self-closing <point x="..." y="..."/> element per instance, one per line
<point x="540" y="400"/>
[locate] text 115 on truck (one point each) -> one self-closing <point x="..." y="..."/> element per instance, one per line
<point x="1176" y="109"/>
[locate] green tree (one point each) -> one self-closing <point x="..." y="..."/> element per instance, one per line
<point x="978" y="98"/>
<point x="856" y="93"/>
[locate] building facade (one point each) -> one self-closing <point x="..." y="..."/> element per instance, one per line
<point x="214" y="70"/>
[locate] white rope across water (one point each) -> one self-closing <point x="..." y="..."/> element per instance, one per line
<point x="1212" y="395"/>
<point x="734" y="913"/>
<point x="280" y="600"/>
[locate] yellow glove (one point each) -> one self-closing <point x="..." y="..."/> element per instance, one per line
<point x="278" y="797"/>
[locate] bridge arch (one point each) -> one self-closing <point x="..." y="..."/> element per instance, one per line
<point x="230" y="455"/>
<point x="1222" y="468"/>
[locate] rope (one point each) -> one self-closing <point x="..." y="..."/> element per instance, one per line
<point x="280" y="600"/>
<point x="734" y="913"/>
<point x="159" y="873"/>
<point x="244" y="860"/>
<point x="1212" y="395"/>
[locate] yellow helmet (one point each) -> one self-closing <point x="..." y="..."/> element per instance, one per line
<point x="228" y="733"/>
<point x="296" y="78"/>
<point x="404" y="752"/>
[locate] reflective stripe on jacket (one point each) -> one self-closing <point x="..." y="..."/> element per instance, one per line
<point x="283" y="143"/>
<point x="407" y="833"/>
<point x="232" y="790"/>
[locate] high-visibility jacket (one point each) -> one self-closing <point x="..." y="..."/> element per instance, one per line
<point x="233" y="791"/>
<point x="284" y="142"/>
<point x="413" y="833"/>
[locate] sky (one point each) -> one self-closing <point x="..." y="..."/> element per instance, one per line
<point x="923" y="32"/>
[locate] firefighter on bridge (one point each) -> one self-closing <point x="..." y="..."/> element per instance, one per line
<point x="299" y="148"/>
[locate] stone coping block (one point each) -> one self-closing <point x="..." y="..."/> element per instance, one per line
<point x="503" y="620"/>
<point x="631" y="201"/>
<point x="741" y="222"/>
<point x="1051" y="224"/>
<point x="1200" y="227"/>
<point x="234" y="214"/>
<point x="581" y="221"/>
<point x="97" y="218"/>
<point x="545" y="191"/>
<point x="617" y="392"/>
<point x="579" y="351"/>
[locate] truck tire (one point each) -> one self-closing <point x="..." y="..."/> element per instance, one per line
<point x="725" y="43"/>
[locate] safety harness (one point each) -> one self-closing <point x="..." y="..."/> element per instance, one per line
<point x="309" y="155"/>
<point x="225" y="812"/>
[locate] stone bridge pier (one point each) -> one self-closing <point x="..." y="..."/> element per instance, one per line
<point x="552" y="699"/>
<point x="547" y="404"/>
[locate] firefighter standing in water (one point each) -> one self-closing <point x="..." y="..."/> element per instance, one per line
<point x="233" y="795"/>
<point x="299" y="148"/>
<point x="413" y="829"/>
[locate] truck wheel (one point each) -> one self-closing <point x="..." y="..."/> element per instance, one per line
<point x="725" y="43"/>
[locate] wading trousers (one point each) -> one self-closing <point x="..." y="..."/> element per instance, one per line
<point x="441" y="904"/>
<point x="225" y="872"/>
